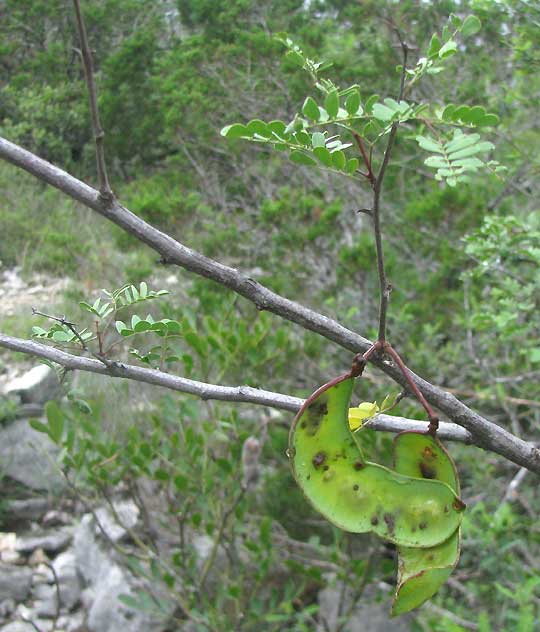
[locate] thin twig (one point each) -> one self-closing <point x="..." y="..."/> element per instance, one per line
<point x="433" y="419"/>
<point x="58" y="596"/>
<point x="369" y="175"/>
<point x="384" y="287"/>
<point x="212" y="557"/>
<point x="105" y="190"/>
<point x="512" y="489"/>
<point x="63" y="321"/>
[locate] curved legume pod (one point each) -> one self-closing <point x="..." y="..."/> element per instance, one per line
<point x="357" y="495"/>
<point x="421" y="572"/>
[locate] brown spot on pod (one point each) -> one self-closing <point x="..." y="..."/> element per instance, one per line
<point x="314" y="415"/>
<point x="428" y="453"/>
<point x="427" y="470"/>
<point x="374" y="521"/>
<point x="358" y="465"/>
<point x="458" y="504"/>
<point x="390" y="522"/>
<point x="355" y="487"/>
<point x="422" y="526"/>
<point x="318" y="459"/>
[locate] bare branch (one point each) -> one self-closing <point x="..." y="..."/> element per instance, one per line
<point x="99" y="135"/>
<point x="152" y="376"/>
<point x="448" y="431"/>
<point x="484" y="433"/>
<point x="246" y="394"/>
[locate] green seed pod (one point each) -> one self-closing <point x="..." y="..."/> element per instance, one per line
<point x="357" y="495"/>
<point x="421" y="572"/>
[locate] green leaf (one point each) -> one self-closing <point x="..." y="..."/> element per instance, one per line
<point x="300" y="158"/>
<point x="323" y="115"/>
<point x="460" y="141"/>
<point x="429" y="144"/>
<point x="331" y="103"/>
<point x="318" y="140"/>
<point x="257" y="126"/>
<point x="434" y="45"/>
<point x="475" y="114"/>
<point x="62" y="336"/>
<point x="470" y="151"/>
<point x="368" y="106"/>
<point x="469" y="163"/>
<point x="471" y="25"/>
<point x="234" y="131"/>
<point x="120" y="326"/>
<point x="455" y="21"/>
<point x="39" y="426"/>
<point x="489" y="120"/>
<point x="448" y="49"/>
<point x="140" y="326"/>
<point x="311" y="109"/>
<point x="436" y="161"/>
<point x="352" y="165"/>
<point x="339" y="160"/>
<point x="295" y="57"/>
<point x="55" y="419"/>
<point x="352" y="104"/>
<point x="447" y="112"/>
<point x="277" y="128"/>
<point x="323" y="155"/>
<point x="382" y="112"/>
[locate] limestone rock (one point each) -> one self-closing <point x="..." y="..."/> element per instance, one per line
<point x="37" y="386"/>
<point x="14" y="582"/>
<point x="367" y="614"/>
<point x="128" y="513"/>
<point x="29" y="457"/>
<point x="50" y="541"/>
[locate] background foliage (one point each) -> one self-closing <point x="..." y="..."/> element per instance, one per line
<point x="463" y="261"/>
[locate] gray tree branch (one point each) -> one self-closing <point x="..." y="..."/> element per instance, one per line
<point x="483" y="432"/>
<point x="206" y="391"/>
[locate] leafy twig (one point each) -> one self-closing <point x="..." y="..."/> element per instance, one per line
<point x="63" y="321"/>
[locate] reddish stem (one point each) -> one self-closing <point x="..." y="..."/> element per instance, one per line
<point x="369" y="175"/>
<point x="433" y="419"/>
